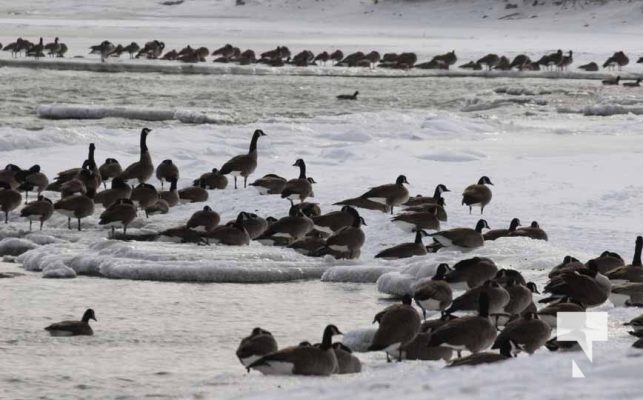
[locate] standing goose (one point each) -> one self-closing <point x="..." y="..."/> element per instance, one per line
<point x="75" y="186"/>
<point x="142" y="169"/>
<point x="32" y="179"/>
<point x="120" y="190"/>
<point x="498" y="233"/>
<point x="405" y="250"/>
<point x="194" y="194"/>
<point x="293" y="227"/>
<point x="39" y="210"/>
<point x="632" y="272"/>
<point x="8" y="175"/>
<point x="398" y="326"/>
<point x="299" y="188"/>
<point x="334" y="221"/>
<point x="478" y="194"/>
<point x="204" y="220"/>
<point x="508" y="349"/>
<point x="497" y="299"/>
<point x="69" y="174"/>
<point x="253" y="224"/>
<point x="121" y="213"/>
<point x="232" y="233"/>
<point x="412" y="221"/>
<point x="391" y="194"/>
<point x="132" y="49"/>
<point x="421" y="200"/>
<point x="528" y="332"/>
<point x="434" y="294"/>
<point x="77" y="206"/>
<point x="270" y="184"/>
<point x="144" y="195"/>
<point x="534" y="231"/>
<point x="253" y="347"/>
<point x="244" y="164"/>
<point x="109" y="170"/>
<point x="73" y="328"/>
<point x="472" y="333"/>
<point x="472" y="272"/>
<point x="350" y="239"/>
<point x="301" y="360"/>
<point x="213" y="180"/>
<point x="171" y="196"/>
<point x="347" y="363"/>
<point x="166" y="170"/>
<point x="520" y="296"/>
<point x="463" y="239"/>
<point x="10" y="199"/>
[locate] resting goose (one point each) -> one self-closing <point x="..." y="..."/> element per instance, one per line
<point x="508" y="349"/>
<point x="301" y="360"/>
<point x="412" y="221"/>
<point x="632" y="272"/>
<point x="585" y="285"/>
<point x="470" y="273"/>
<point x="270" y="184"/>
<point x="421" y="200"/>
<point x="529" y="332"/>
<point x="253" y="347"/>
<point x="204" y="220"/>
<point x="498" y="233"/>
<point x="244" y="164"/>
<point x="397" y="327"/>
<point x="232" y="233"/>
<point x="39" y="210"/>
<point x="347" y="363"/>
<point x="109" y="170"/>
<point x="608" y="261"/>
<point x="549" y="314"/>
<point x="463" y="239"/>
<point x="213" y="180"/>
<point x="334" y="221"/>
<point x="299" y="188"/>
<point x="119" y="190"/>
<point x="497" y="298"/>
<point x="478" y="194"/>
<point x="194" y="194"/>
<point x="166" y="170"/>
<point x="348" y="240"/>
<point x="293" y="227"/>
<point x="405" y="250"/>
<point x="119" y="214"/>
<point x="534" y="231"/>
<point x="73" y="328"/>
<point x="434" y="294"/>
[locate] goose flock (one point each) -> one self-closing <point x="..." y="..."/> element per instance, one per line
<point x="281" y="56"/>
<point x="472" y="305"/>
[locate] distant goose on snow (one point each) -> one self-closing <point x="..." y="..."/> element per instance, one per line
<point x="73" y="328"/>
<point x="478" y="194"/>
<point x="636" y="83"/>
<point x="612" y="81"/>
<point x="253" y="347"/>
<point x="109" y="169"/>
<point x="244" y="164"/>
<point x="589" y="67"/>
<point x="166" y="170"/>
<point x="348" y="96"/>
<point x="39" y="210"/>
<point x="391" y="195"/>
<point x="533" y="231"/>
<point x="213" y="180"/>
<point x="121" y="213"/>
<point x="498" y="233"/>
<point x="299" y="188"/>
<point x="463" y="239"/>
<point x="194" y="194"/>
<point x="77" y="206"/>
<point x="405" y="250"/>
<point x="434" y="294"/>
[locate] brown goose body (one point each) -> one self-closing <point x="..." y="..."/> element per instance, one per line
<point x="258" y="344"/>
<point x="10" y="199"/>
<point x="434" y="294"/>
<point x="347" y="363"/>
<point x="39" y="210"/>
<point x="300" y="188"/>
<point x="204" y="220"/>
<point x="496" y="295"/>
<point x="160" y="206"/>
<point x="76" y="206"/>
<point x="119" y="190"/>
<point x="529" y="332"/>
<point x="520" y="297"/>
<point x="194" y="194"/>
<point x="632" y="272"/>
<point x="213" y="180"/>
<point x="119" y="214"/>
<point x="397" y="327"/>
<point x="333" y="221"/>
<point x="231" y="234"/>
<point x="293" y="227"/>
<point x="349" y="239"/>
<point x="33" y="180"/>
<point x="498" y="233"/>
<point x="361" y="202"/>
<point x="270" y="184"/>
<point x="73" y="186"/>
<point x="463" y="239"/>
<point x="478" y="194"/>
<point x="390" y="195"/>
<point x="437" y="209"/>
<point x="143" y="169"/>
<point x="629" y="294"/>
<point x="171" y="197"/>
<point x="144" y="195"/>
<point x="166" y="171"/>
<point x="405" y="250"/>
<point x="507" y="351"/>
<point x="418" y="349"/>
<point x="245" y="164"/>
<point x="534" y="231"/>
<point x="472" y="272"/>
<point x="254" y="225"/>
<point x="73" y="328"/>
<point x="608" y="261"/>
<point x="409" y="222"/>
<point x="549" y="314"/>
<point x="421" y="200"/>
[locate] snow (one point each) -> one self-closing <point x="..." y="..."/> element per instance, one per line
<point x="559" y="147"/>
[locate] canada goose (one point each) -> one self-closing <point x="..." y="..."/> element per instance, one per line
<point x="194" y="194"/>
<point x="222" y="50"/>
<point x="213" y="180"/>
<point x="348" y="96"/>
<point x="618" y="59"/>
<point x="171" y="197"/>
<point x="504" y="275"/>
<point x="323" y="57"/>
<point x="472" y="333"/>
<point x="503" y="64"/>
<point x="587" y="286"/>
<point x="636" y="83"/>
<point x="109" y="170"/>
<point x="120" y="213"/>
<point x="73" y="328"/>
<point x="142" y="169"/>
<point x="8" y="175"/>
<point x="144" y="195"/>
<point x="254" y="225"/>
<point x="405" y="250"/>
<point x="627" y="295"/>
<point x="434" y="294"/>
<point x="529" y="332"/>
<point x="334" y="221"/>
<point x="181" y="234"/>
<point x="437" y="208"/>
<point x="301" y="360"/>
<point x="253" y="347"/>
<point x="362" y="202"/>
<point x="310" y="245"/>
<point x="32" y="179"/>
<point x="520" y="296"/>
<point x="36" y="50"/>
<point x="472" y="65"/>
<point x="632" y="272"/>
<point x="270" y="184"/>
<point x="418" y="349"/>
<point x="520" y="61"/>
<point x="160" y="206"/>
<point x="412" y="221"/>
<point x="232" y="233"/>
<point x="508" y="349"/>
<point x="612" y="81"/>
<point x="349" y="239"/>
<point x="471" y="272"/>
<point x="131" y="48"/>
<point x="52" y="48"/>
<point x="293" y="227"/>
<point x="497" y="297"/>
<point x="569" y="264"/>
<point x="565" y="61"/>
<point x="77" y="206"/>
<point x="40" y="210"/>
<point x="430" y="325"/>
<point x="478" y="194"/>
<point x="397" y="327"/>
<point x="120" y="190"/>
<point x="299" y="188"/>
<point x="490" y="60"/>
<point x="463" y="239"/>
<point x="152" y="50"/>
<point x="421" y="200"/>
<point x="118" y="50"/>
<point x="498" y="233"/>
<point x="347" y="363"/>
<point x="551" y="60"/>
<point x="74" y="186"/>
<point x="391" y="195"/>
<point x="10" y="199"/>
<point x="589" y="67"/>
<point x="636" y="323"/>
<point x="69" y="174"/>
<point x="337" y="56"/>
<point x="204" y="220"/>
<point x="166" y="170"/>
<point x="62" y="51"/>
<point x="244" y="164"/>
<point x="533" y="231"/>
<point x="549" y="314"/>
<point x="171" y="56"/>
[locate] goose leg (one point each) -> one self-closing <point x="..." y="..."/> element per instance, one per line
<point x="79" y="225"/>
<point x="424" y="313"/>
<point x="245" y="181"/>
<point x="41" y="223"/>
<point x="235" y="182"/>
<point x="470" y="208"/>
<point x="388" y="358"/>
<point x="161" y="184"/>
<point x="30" y="225"/>
<point x="459" y="353"/>
<point x="481" y="210"/>
<point x="68" y="222"/>
<point x="113" y="232"/>
<point x="6" y="217"/>
<point x="104" y="185"/>
<point x="124" y="230"/>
